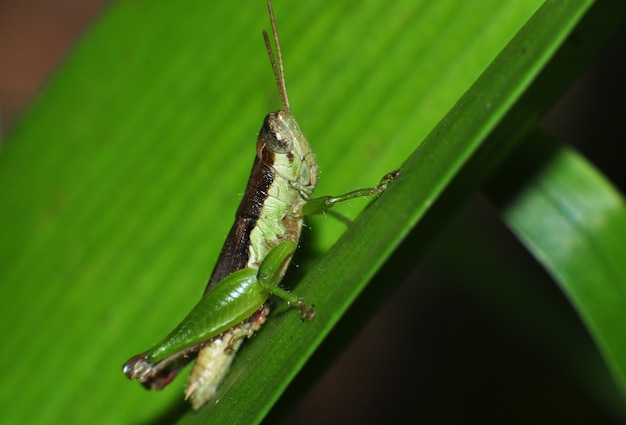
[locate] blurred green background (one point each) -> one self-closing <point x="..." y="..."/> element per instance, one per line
<point x="467" y="357"/>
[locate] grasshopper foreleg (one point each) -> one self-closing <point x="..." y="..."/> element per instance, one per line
<point x="325" y="203"/>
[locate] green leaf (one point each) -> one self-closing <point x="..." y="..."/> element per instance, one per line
<point x="119" y="184"/>
<point x="574" y="222"/>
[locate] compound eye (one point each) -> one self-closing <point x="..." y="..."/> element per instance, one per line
<point x="277" y="135"/>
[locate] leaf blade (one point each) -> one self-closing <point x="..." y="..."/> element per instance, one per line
<point x="587" y="222"/>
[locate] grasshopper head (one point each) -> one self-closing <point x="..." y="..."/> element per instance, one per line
<point x="282" y="146"/>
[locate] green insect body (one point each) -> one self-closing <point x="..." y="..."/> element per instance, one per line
<point x="252" y="262"/>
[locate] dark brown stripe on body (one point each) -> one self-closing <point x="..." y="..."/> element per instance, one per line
<point x="235" y="252"/>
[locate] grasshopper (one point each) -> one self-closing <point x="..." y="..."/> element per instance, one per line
<point x="254" y="258"/>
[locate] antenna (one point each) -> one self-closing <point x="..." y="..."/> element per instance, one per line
<point x="279" y="72"/>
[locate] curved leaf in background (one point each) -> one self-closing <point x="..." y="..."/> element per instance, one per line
<point x="574" y="222"/>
